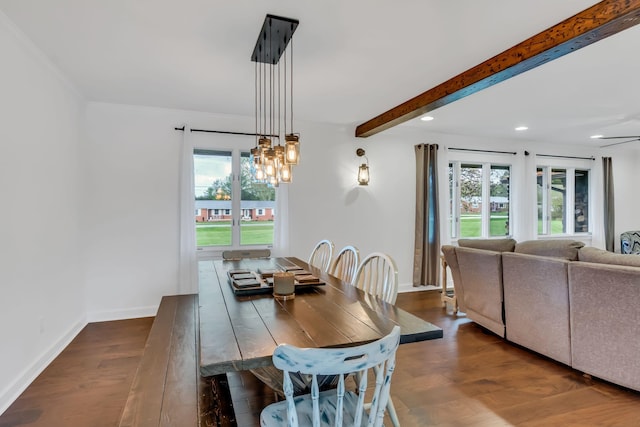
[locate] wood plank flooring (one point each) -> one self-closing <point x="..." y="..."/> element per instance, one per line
<point x="468" y="378"/>
<point x="88" y="384"/>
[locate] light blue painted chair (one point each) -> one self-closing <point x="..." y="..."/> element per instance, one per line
<point x="336" y="407"/>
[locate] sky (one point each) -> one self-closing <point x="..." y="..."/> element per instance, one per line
<point x="209" y="168"/>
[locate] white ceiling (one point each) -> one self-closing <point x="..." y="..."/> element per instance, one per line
<point x="353" y="60"/>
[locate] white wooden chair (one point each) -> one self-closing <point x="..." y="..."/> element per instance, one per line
<point x="377" y="275"/>
<point x="321" y="255"/>
<point x="345" y="264"/>
<point x="336" y="407"/>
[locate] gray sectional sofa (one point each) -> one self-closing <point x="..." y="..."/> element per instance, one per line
<point x="577" y="305"/>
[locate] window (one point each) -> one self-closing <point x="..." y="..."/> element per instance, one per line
<point x="479" y="200"/>
<point x="563" y="200"/>
<point x="226" y="190"/>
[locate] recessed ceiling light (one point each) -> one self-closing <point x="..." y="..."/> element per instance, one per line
<point x="596" y="136"/>
<point x="520" y="128"/>
<point x="426" y="118"/>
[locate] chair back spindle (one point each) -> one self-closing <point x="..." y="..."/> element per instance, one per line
<point x="321" y="255"/>
<point x="377" y="275"/>
<point x="345" y="264"/>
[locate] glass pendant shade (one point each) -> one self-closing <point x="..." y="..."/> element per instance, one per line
<point x="255" y="155"/>
<point x="269" y="162"/>
<point x="292" y="149"/>
<point x="269" y="170"/>
<point x="363" y="174"/>
<point x="265" y="145"/>
<point x="279" y="153"/>
<point x="260" y="173"/>
<point x="285" y="173"/>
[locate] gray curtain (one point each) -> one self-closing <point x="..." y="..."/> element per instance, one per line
<point x="426" y="259"/>
<point x="609" y="209"/>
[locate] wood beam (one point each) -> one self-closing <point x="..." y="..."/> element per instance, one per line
<point x="589" y="26"/>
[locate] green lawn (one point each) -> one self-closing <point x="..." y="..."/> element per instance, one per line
<point x="219" y="233"/>
<point x="471" y="226"/>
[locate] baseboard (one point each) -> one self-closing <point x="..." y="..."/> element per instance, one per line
<point x="129" y="313"/>
<point x="408" y="287"/>
<point x="13" y="391"/>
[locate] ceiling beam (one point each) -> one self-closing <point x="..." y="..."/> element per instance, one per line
<point x="589" y="26"/>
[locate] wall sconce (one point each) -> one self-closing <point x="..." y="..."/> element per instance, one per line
<point x="363" y="170"/>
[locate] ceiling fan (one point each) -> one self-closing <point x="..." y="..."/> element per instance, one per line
<point x="628" y="139"/>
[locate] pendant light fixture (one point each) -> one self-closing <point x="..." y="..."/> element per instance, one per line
<point x="272" y="163"/>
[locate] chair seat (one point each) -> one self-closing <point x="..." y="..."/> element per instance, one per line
<point x="276" y="413"/>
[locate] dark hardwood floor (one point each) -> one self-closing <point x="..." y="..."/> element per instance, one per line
<point x="468" y="378"/>
<point x="88" y="384"/>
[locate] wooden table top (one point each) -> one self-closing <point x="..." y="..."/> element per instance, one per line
<point x="240" y="332"/>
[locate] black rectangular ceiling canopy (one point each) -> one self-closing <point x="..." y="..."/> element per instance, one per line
<point x="273" y="39"/>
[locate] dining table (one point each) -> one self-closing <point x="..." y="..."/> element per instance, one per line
<point x="240" y="332"/>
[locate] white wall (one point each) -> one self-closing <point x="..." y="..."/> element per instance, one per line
<point x="625" y="182"/>
<point x="130" y="184"/>
<point x="131" y="188"/>
<point x="41" y="283"/>
<point x="326" y="201"/>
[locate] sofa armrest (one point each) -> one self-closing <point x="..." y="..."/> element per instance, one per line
<point x="481" y="278"/>
<point x="449" y="253"/>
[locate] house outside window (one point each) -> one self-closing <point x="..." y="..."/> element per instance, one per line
<point x="260" y="212"/>
<point x="563" y="200"/>
<point x="479" y="195"/>
<point x="225" y="187"/>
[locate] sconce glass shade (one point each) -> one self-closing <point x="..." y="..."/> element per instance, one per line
<point x="292" y="149"/>
<point x="363" y="174"/>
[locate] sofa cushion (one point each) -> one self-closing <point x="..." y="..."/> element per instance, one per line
<point x="566" y="249"/>
<point x="496" y="245"/>
<point x="590" y="254"/>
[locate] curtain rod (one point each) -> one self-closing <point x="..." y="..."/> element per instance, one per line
<point x="484" y="151"/>
<point x="226" y="132"/>
<point x="565" y="157"/>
